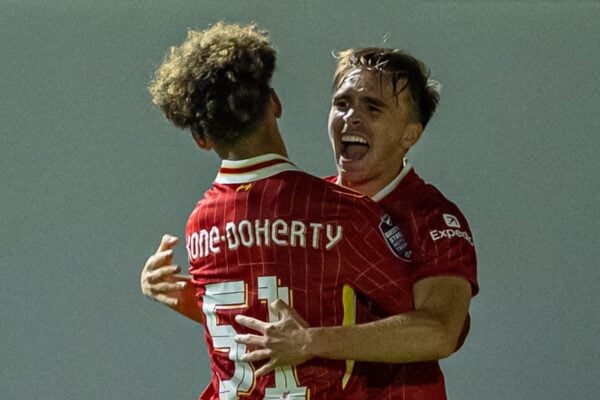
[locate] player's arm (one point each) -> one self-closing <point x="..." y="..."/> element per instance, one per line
<point x="160" y="281"/>
<point x="430" y="332"/>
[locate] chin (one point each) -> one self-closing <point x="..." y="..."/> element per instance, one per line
<point x="353" y="166"/>
<point x="352" y="177"/>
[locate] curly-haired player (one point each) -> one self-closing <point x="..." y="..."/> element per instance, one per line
<point x="266" y="233"/>
<point x="217" y="82"/>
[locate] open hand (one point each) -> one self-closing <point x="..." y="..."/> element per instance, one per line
<point x="159" y="279"/>
<point x="285" y="342"/>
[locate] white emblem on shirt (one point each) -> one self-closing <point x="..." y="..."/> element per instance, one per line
<point x="451" y="221"/>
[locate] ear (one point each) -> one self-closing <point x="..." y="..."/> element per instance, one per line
<point x="277" y="107"/>
<point x="412" y="134"/>
<point x="203" y="142"/>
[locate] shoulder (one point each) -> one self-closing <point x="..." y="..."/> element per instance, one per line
<point x="421" y="203"/>
<point x="339" y="195"/>
<point x="432" y="223"/>
<point x="435" y="209"/>
<point x="216" y="197"/>
<point x="437" y="231"/>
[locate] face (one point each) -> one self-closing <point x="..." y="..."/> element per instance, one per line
<point x="370" y="130"/>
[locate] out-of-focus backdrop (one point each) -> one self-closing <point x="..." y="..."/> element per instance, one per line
<point x="92" y="175"/>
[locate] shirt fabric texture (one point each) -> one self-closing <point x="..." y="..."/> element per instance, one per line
<point x="268" y="231"/>
<point x="438" y="242"/>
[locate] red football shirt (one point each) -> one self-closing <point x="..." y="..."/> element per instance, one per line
<point x="437" y="241"/>
<point x="267" y="231"/>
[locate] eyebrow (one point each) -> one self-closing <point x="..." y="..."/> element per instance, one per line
<point x="368" y="99"/>
<point x="375" y="101"/>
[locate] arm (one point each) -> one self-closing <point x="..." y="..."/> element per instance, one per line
<point x="160" y="282"/>
<point x="430" y="332"/>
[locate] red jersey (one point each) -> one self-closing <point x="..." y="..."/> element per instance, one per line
<point x="437" y="241"/>
<point x="268" y="231"/>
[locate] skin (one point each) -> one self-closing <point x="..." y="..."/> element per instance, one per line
<point x="160" y="279"/>
<point x="364" y="109"/>
<point x="428" y="333"/>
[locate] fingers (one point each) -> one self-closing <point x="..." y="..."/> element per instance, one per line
<point x="159" y="279"/>
<point x="252" y="323"/>
<point x="265" y="369"/>
<point x="167" y="293"/>
<point x="163" y="280"/>
<point x="256" y="355"/>
<point x="287" y="312"/>
<point x="164" y="299"/>
<point x="167" y="242"/>
<point x="259" y="355"/>
<point x="163" y="254"/>
<point x="167" y="286"/>
<point x="162" y="272"/>
<point x="280" y="306"/>
<point x="183" y="278"/>
<point x="159" y="259"/>
<point x="251" y="340"/>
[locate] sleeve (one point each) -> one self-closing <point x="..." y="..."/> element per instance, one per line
<point x="442" y="243"/>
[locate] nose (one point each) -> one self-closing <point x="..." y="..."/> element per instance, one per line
<point x="351" y="117"/>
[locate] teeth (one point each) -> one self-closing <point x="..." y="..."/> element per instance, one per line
<point x="353" y="139"/>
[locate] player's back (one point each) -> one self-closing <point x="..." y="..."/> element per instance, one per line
<point x="294" y="237"/>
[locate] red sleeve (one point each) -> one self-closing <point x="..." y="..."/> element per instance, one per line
<point x="442" y="243"/>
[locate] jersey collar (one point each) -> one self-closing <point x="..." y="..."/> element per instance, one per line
<point x="253" y="169"/>
<point x="406" y="167"/>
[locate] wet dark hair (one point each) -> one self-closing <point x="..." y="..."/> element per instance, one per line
<point x="401" y="66"/>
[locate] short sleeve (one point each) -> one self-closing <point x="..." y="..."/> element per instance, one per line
<point x="442" y="243"/>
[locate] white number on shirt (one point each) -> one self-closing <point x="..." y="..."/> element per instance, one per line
<point x="228" y="295"/>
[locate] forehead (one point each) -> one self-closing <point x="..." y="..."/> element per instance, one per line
<point x="361" y="81"/>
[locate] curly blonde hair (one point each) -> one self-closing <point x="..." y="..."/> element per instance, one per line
<point x="217" y="82"/>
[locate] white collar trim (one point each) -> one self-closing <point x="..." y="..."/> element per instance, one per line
<point x="393" y="184"/>
<point x="250" y="170"/>
<point x="406" y="167"/>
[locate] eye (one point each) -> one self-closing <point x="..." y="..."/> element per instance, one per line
<point x="340" y="104"/>
<point x="373" y="108"/>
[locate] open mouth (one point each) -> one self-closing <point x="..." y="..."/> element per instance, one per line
<point x="354" y="147"/>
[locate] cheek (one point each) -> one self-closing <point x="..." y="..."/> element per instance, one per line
<point x="333" y="127"/>
<point x="389" y="141"/>
<point x="333" y="124"/>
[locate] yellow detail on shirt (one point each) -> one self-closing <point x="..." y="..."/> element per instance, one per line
<point x="349" y="304"/>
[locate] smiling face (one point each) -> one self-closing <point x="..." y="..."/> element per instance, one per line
<point x="370" y="129"/>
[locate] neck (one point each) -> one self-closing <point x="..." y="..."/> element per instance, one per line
<point x="369" y="188"/>
<point x="257" y="143"/>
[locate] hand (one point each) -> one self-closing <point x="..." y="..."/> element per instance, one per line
<point x="284" y="342"/>
<point x="159" y="279"/>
